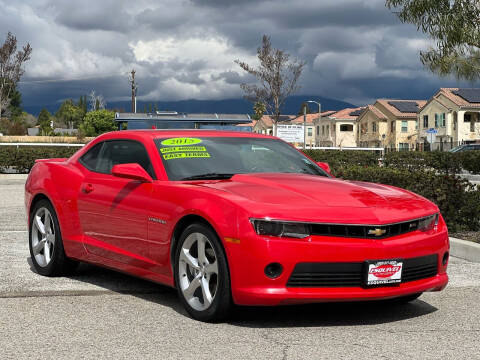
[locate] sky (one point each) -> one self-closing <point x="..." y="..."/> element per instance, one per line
<point x="355" y="50"/>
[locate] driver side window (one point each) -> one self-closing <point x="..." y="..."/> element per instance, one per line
<point x="103" y="156"/>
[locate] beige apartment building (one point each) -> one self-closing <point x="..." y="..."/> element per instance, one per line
<point x="455" y="114"/>
<point x="389" y="123"/>
<point x="338" y="129"/>
<point x="312" y="129"/>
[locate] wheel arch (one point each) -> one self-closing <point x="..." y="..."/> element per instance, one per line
<point x="181" y="225"/>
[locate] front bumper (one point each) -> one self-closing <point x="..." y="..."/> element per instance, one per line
<point x="249" y="257"/>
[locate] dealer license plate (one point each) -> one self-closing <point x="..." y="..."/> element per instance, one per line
<point x="384" y="272"/>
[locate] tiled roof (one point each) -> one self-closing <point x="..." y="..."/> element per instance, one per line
<point x="396" y="112"/>
<point x="267" y="119"/>
<point x="252" y="123"/>
<point x="345" y="114"/>
<point x="311" y="117"/>
<point x="455" y="98"/>
<point x="377" y="112"/>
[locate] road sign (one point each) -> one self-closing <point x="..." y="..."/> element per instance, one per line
<point x="290" y="133"/>
<point x="432" y="131"/>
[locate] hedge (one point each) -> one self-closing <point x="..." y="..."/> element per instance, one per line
<point x="457" y="199"/>
<point x="21" y="159"/>
<point x="443" y="162"/>
<point x="336" y="158"/>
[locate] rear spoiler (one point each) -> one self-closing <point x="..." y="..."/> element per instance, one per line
<point x="51" y="160"/>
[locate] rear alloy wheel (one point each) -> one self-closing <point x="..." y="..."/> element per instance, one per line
<point x="46" y="247"/>
<point x="201" y="274"/>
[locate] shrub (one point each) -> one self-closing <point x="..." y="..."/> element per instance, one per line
<point x="336" y="158"/>
<point x="22" y="158"/>
<point x="457" y="199"/>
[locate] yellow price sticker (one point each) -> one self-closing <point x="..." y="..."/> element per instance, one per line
<point x="181" y="141"/>
<point x="182" y="149"/>
<point x="185" y="155"/>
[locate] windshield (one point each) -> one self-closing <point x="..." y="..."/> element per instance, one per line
<point x="223" y="157"/>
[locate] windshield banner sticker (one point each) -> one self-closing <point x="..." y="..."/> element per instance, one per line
<point x="182" y="149"/>
<point x="183" y="155"/>
<point x="181" y="141"/>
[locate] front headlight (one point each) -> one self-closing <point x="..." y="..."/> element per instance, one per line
<point x="281" y="229"/>
<point x="428" y="223"/>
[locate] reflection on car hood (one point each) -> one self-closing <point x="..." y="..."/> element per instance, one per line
<point x="308" y="197"/>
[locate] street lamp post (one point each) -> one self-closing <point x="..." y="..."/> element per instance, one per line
<point x="319" y="110"/>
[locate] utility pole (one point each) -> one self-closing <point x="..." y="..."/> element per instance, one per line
<point x="134" y="91"/>
<point x="304" y="125"/>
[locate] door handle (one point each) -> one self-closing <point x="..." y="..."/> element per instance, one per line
<point x="88" y="188"/>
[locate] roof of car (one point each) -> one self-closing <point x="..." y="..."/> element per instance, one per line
<point x="181" y="133"/>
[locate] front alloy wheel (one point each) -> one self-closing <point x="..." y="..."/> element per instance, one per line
<point x="201" y="274"/>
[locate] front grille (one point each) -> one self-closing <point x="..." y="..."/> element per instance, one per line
<point x="352" y="274"/>
<point x="365" y="231"/>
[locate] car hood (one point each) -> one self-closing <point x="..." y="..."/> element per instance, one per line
<point x="316" y="198"/>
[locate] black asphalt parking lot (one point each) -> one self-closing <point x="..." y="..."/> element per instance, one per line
<point x="100" y="314"/>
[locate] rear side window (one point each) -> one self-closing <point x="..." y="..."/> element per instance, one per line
<point x="90" y="158"/>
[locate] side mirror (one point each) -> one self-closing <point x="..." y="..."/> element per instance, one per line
<point x="131" y="171"/>
<point x="324" y="166"/>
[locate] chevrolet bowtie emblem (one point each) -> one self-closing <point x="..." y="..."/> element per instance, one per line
<point x="377" y="232"/>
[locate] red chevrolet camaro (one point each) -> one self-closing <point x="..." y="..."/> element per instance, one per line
<point x="231" y="218"/>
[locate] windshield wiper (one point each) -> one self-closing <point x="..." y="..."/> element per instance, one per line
<point x="208" y="176"/>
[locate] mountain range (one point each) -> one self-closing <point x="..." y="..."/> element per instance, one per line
<point x="225" y="106"/>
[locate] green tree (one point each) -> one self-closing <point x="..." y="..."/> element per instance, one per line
<point x="70" y="114"/>
<point x="44" y="121"/>
<point x="259" y="109"/>
<point x="454" y="27"/>
<point x="98" y="122"/>
<point x="14" y="108"/>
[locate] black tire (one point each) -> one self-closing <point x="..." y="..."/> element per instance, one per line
<point x="222" y="301"/>
<point x="60" y="264"/>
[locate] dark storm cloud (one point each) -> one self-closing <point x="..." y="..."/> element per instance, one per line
<point x="354" y="50"/>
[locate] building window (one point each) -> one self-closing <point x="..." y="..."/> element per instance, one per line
<point x="416" y="124"/>
<point x="318" y="130"/>
<point x="323" y="129"/>
<point x="436" y="120"/>
<point x="346" y="127"/>
<point x="425" y="121"/>
<point x="328" y="130"/>
<point x="403" y="146"/>
<point x="404" y="126"/>
<point x="270" y="132"/>
<point x="392" y="126"/>
<point x="374" y="127"/>
<point x="467" y="117"/>
<point x="442" y="122"/>
<point x="309" y="131"/>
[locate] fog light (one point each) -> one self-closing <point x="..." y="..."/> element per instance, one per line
<point x="273" y="270"/>
<point x="445" y="259"/>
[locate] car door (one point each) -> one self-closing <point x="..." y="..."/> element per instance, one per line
<point x="114" y="211"/>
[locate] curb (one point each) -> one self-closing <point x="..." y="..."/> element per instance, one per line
<point x="466" y="250"/>
<point x="14" y="176"/>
